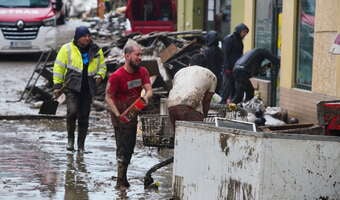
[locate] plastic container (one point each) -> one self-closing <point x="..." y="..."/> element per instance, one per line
<point x="163" y="109"/>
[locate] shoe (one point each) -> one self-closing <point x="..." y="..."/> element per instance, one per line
<point x="81" y="143"/>
<point x="122" y="182"/>
<point x="125" y="181"/>
<point x="70" y="144"/>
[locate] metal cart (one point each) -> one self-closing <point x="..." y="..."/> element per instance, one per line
<point x="157" y="132"/>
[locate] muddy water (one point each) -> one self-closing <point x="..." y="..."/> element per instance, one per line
<point x="35" y="165"/>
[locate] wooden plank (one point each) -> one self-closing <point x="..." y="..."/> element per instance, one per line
<point x="168" y="53"/>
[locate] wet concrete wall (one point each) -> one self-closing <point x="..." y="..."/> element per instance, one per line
<point x="221" y="163"/>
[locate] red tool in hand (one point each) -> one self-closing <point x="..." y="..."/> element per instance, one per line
<point x="132" y="110"/>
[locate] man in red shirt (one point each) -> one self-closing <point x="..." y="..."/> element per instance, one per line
<point x="123" y="88"/>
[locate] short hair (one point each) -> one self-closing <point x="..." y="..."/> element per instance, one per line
<point x="130" y="48"/>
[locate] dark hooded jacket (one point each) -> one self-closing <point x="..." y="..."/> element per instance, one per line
<point x="213" y="54"/>
<point x="250" y="63"/>
<point x="233" y="47"/>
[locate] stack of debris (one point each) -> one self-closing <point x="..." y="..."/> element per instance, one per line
<point x="111" y="28"/>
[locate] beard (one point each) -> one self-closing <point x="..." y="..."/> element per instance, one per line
<point x="134" y="66"/>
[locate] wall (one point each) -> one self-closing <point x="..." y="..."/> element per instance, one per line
<point x="222" y="163"/>
<point x="287" y="70"/>
<point x="242" y="11"/>
<point x="325" y="70"/>
<point x="237" y="13"/>
<point x="249" y="20"/>
<point x="190" y="14"/>
<point x="302" y="103"/>
<point x="326" y="67"/>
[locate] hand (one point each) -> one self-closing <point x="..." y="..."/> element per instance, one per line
<point x="57" y="93"/>
<point x="145" y="100"/>
<point x="98" y="80"/>
<point x="123" y="119"/>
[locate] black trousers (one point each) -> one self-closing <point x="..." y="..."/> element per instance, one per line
<point x="243" y="85"/>
<point x="78" y="108"/>
<point x="227" y="89"/>
<point x="125" y="141"/>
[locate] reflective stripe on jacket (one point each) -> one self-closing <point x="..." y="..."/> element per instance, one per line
<point x="69" y="65"/>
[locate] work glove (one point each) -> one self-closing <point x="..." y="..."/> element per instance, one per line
<point x="232" y="106"/>
<point x="98" y="79"/>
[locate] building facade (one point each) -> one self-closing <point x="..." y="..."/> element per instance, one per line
<point x="301" y="32"/>
<point x="204" y="15"/>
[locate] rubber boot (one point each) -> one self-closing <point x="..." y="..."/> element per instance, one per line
<point x="70" y="144"/>
<point x="70" y="125"/>
<point x="82" y="132"/>
<point x="121" y="174"/>
<point x="125" y="181"/>
<point x="81" y="139"/>
<point x="81" y="142"/>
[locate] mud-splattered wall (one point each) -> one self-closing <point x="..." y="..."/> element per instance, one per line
<point x="221" y="163"/>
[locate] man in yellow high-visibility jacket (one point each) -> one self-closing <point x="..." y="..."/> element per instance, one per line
<point x="78" y="69"/>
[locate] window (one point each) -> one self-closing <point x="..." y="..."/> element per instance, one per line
<point x="264" y="24"/>
<point x="151" y="10"/>
<point x="24" y="3"/>
<point x="305" y="38"/>
<point x="266" y="27"/>
<point x="267" y="35"/>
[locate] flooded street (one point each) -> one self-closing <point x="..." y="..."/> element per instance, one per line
<point x="34" y="163"/>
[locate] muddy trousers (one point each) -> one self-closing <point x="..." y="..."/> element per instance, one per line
<point x="78" y="108"/>
<point x="183" y="113"/>
<point x="125" y="141"/>
<point x="125" y="135"/>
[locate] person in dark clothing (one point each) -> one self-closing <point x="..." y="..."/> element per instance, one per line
<point x="214" y="56"/>
<point x="78" y="68"/>
<point x="232" y="51"/>
<point x="249" y="65"/>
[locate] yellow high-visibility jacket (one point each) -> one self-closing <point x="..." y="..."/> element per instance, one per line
<point x="68" y="67"/>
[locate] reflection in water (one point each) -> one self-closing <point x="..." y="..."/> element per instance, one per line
<point x="48" y="179"/>
<point x="75" y="178"/>
<point x="23" y="162"/>
<point x="122" y="195"/>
